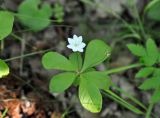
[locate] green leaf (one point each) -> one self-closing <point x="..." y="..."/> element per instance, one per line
<point x="152" y="10"/>
<point x="137" y="49"/>
<point x="148" y="61"/>
<point x="145" y="72"/>
<point x="6" y="23"/>
<point x="156" y="96"/>
<point x="156" y="72"/>
<point x="90" y="96"/>
<point x="97" y="51"/>
<point x="76" y="60"/>
<point x="54" y="60"/>
<point x="34" y="17"/>
<point x="61" y="82"/>
<point x="151" y="83"/>
<point x="4" y="69"/>
<point x="152" y="51"/>
<point x="101" y="80"/>
<point x="90" y="69"/>
<point x="159" y="58"/>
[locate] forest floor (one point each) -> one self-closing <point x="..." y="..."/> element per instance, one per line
<point x="24" y="92"/>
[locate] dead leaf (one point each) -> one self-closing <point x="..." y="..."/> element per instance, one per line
<point x="28" y="107"/>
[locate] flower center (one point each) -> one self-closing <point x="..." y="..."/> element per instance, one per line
<point x="75" y="45"/>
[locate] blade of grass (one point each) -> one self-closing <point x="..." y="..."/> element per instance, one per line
<point x="149" y="110"/>
<point x="121" y="101"/>
<point x="130" y="97"/>
<point x="4" y="113"/>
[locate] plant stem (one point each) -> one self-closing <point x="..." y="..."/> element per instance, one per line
<point x="23" y="46"/>
<point x="140" y="22"/>
<point x="148" y="114"/>
<point x="27" y="55"/>
<point x="120" y="69"/>
<point x="16" y="37"/>
<point x="21" y="39"/>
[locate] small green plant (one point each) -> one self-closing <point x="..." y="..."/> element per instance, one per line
<point x="80" y="73"/>
<point x="58" y="12"/>
<point x="79" y="69"/>
<point x="150" y="59"/>
<point x="149" y="56"/>
<point x="33" y="17"/>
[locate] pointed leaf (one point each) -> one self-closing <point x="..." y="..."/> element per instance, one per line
<point x="6" y="23"/>
<point x="61" y="82"/>
<point x="97" y="51"/>
<point x="151" y="47"/>
<point x="89" y="95"/>
<point x="145" y="72"/>
<point x="148" y="61"/>
<point x="4" y="69"/>
<point x="137" y="49"/>
<point x="54" y="60"/>
<point x="152" y="51"/>
<point x="156" y="96"/>
<point x="150" y="83"/>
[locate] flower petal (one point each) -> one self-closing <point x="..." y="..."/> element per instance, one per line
<point x="70" y="40"/>
<point x="82" y="45"/>
<point x="76" y="39"/>
<point x="80" y="50"/>
<point x="79" y="39"/>
<point x="75" y="36"/>
<point x="69" y="46"/>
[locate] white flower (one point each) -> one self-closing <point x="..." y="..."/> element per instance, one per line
<point x="76" y="43"/>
